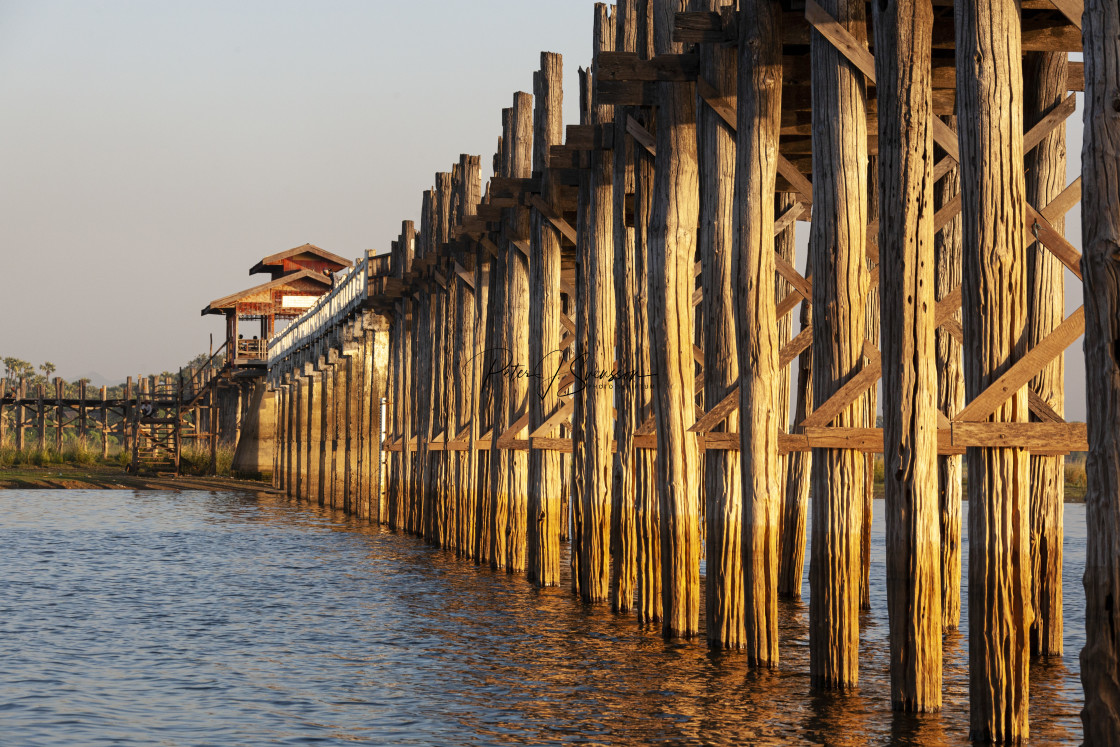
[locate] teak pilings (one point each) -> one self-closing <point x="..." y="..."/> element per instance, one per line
<point x="582" y="269"/>
<point x="1100" y="235"/>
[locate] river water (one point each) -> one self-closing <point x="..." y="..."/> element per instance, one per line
<point x="201" y="618"/>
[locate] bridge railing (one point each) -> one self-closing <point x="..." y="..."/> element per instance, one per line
<point x="349" y="294"/>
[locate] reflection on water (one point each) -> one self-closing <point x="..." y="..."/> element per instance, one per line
<point x="217" y="618"/>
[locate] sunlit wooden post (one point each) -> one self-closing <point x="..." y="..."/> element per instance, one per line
<point x="759" y="95"/>
<point x="672" y="248"/>
<point x="1045" y="87"/>
<point x="989" y="96"/>
<point x="597" y="317"/>
<point x="543" y="551"/>
<point x="722" y="479"/>
<point x="626" y="389"/>
<point x="1100" y="233"/>
<point x="837" y="247"/>
<point x="903" y="34"/>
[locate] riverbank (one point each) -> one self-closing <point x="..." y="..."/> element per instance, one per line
<point x="112" y="476"/>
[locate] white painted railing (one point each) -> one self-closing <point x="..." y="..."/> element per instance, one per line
<point x="350" y="292"/>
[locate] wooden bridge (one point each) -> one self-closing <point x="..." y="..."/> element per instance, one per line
<point x="596" y="346"/>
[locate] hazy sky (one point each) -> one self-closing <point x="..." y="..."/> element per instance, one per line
<point x="151" y="152"/>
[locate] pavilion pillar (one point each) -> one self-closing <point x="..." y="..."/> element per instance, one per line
<point x="989" y="96"/>
<point x="903" y="37"/>
<point x="1100" y="231"/>
<point x="672" y="248"/>
<point x="837" y="248"/>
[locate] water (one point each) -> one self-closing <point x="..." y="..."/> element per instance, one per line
<point x="231" y="619"/>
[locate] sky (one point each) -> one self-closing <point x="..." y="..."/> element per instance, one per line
<point x="152" y="151"/>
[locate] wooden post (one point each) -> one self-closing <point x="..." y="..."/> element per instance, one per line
<point x="903" y="37"/>
<point x="1045" y="87"/>
<point x="283" y="400"/>
<point x="357" y="499"/>
<point x="543" y="551"/>
<point x="59" y="414"/>
<point x="837" y="245"/>
<point x="624" y="537"/>
<point x="672" y="248"/>
<point x="325" y="441"/>
<point x="104" y="425"/>
<point x="759" y="113"/>
<point x="313" y="441"/>
<point x="723" y="479"/>
<point x="213" y="425"/>
<point x="126" y="416"/>
<point x="41" y="418"/>
<point x="646" y="497"/>
<point x="299" y="434"/>
<point x="481" y="409"/>
<point x="336" y="414"/>
<point x="82" y="414"/>
<point x="950" y="396"/>
<point x="989" y="96"/>
<point x="1100" y="232"/>
<point x="377" y="372"/>
<point x="869" y="400"/>
<point x="464" y="472"/>
<point x="596" y="362"/>
<point x="442" y="340"/>
<point x="579" y="306"/>
<point x="516" y="324"/>
<point x="20" y="415"/>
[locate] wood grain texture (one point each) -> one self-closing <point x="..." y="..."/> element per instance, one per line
<point x="1045" y="78"/>
<point x="990" y="89"/>
<point x="950" y="393"/>
<point x="623" y="512"/>
<point x="543" y="551"/>
<point x="596" y="358"/>
<point x="753" y="268"/>
<point x="903" y="30"/>
<point x="723" y="489"/>
<point x="646" y="498"/>
<point x="672" y="248"/>
<point x="1100" y="238"/>
<point x="837" y="244"/>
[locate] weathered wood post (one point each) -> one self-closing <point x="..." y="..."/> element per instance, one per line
<point x="672" y="248"/>
<point x="499" y="361"/>
<point x="837" y="246"/>
<point x="340" y="428"/>
<point x="646" y="497"/>
<point x="1100" y="232"/>
<point x="104" y="425"/>
<point x="723" y="479"/>
<point x="595" y="362"/>
<point x="543" y="552"/>
<point x="467" y="192"/>
<point x="325" y="441"/>
<point x="313" y="441"/>
<point x="903" y="37"/>
<point x="377" y="375"/>
<point x="299" y="432"/>
<point x="82" y="424"/>
<point x="59" y="413"/>
<point x="623" y="515"/>
<point x="950" y="396"/>
<point x="41" y="417"/>
<point x="1045" y="85"/>
<point x="126" y="416"/>
<point x="516" y="327"/>
<point x="354" y="352"/>
<point x="21" y="417"/>
<point x="989" y="96"/>
<point x="759" y="114"/>
<point x="579" y="307"/>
